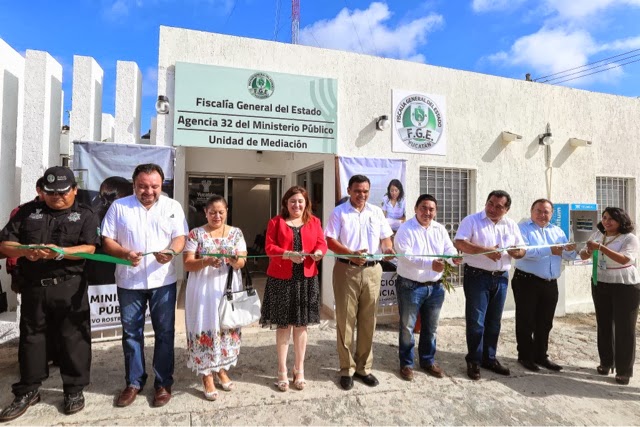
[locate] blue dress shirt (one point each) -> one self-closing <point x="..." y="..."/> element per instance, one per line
<point x="541" y="261"/>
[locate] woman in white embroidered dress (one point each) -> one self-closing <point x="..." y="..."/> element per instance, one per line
<point x="212" y="350"/>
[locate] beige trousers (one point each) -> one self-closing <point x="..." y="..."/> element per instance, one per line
<point x="356" y="291"/>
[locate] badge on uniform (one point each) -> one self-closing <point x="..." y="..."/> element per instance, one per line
<point x="74" y="216"/>
<point x="602" y="262"/>
<point x="37" y="214"/>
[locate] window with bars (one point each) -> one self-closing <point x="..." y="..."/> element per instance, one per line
<point x="451" y="188"/>
<point x="611" y="191"/>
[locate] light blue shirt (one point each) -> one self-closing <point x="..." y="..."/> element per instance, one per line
<point x="541" y="261"/>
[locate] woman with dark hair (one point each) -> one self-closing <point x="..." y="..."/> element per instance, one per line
<point x="294" y="242"/>
<point x="616" y="295"/>
<point x="212" y="349"/>
<point x="393" y="204"/>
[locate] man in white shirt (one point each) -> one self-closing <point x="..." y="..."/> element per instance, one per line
<point x="146" y="222"/>
<point x="357" y="228"/>
<point x="419" y="284"/>
<point x="488" y="239"/>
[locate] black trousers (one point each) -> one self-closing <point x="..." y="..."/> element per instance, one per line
<point x="62" y="311"/>
<point x="536" y="301"/>
<point x="616" y="316"/>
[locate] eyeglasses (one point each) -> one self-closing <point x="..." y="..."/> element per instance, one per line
<point x="57" y="193"/>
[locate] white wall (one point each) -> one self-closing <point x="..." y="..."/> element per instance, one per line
<point x="478" y="108"/>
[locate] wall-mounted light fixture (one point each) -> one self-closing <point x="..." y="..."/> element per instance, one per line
<point x="382" y="122"/>
<point x="577" y="142"/>
<point x="509" y="136"/>
<point x="162" y="105"/>
<point x="259" y="156"/>
<point x="546" y="138"/>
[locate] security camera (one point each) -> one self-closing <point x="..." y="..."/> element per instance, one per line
<point x="509" y="136"/>
<point x="577" y="142"/>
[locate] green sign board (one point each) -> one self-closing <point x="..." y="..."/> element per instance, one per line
<point x="224" y="107"/>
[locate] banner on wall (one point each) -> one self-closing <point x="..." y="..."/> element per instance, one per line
<point x="379" y="171"/>
<point x="388" y="289"/>
<point x="104" y="173"/>
<point x="242" y="109"/>
<point x="419" y="123"/>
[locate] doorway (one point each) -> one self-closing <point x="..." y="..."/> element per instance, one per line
<point x="252" y="202"/>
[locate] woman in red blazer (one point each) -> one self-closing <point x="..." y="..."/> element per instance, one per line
<point x="295" y="243"/>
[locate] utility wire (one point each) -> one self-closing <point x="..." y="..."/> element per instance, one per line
<point x="589" y="69"/>
<point x="586" y="65"/>
<point x="230" y="13"/>
<point x="596" y="72"/>
<point x="276" y="27"/>
<point x="354" y="27"/>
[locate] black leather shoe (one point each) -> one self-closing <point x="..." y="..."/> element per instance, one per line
<point x="473" y="371"/>
<point x="73" y="402"/>
<point x="19" y="406"/>
<point x="369" y="380"/>
<point x="528" y="364"/>
<point x="549" y="364"/>
<point x="496" y="367"/>
<point x="346" y="382"/>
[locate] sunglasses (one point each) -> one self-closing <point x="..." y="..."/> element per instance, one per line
<point x="57" y="193"/>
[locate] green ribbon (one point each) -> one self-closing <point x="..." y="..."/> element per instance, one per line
<point x="93" y="257"/>
<point x="594" y="271"/>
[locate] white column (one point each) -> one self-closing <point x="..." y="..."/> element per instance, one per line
<point x="128" y="103"/>
<point x="107" y="128"/>
<point x="11" y="111"/>
<point x="154" y="130"/>
<point x="42" y="117"/>
<point x="86" y="100"/>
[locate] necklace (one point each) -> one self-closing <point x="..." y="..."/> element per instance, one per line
<point x="212" y="230"/>
<point x="295" y="222"/>
<point x="604" y="240"/>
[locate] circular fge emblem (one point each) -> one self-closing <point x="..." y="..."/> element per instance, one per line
<point x="51" y="178"/>
<point x="261" y="85"/>
<point x="418" y="122"/>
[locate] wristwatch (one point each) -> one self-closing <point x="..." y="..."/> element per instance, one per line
<point x="59" y="257"/>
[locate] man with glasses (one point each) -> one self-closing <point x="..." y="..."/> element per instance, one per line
<point x="146" y="222"/>
<point x="487" y="238"/>
<point x="54" y="289"/>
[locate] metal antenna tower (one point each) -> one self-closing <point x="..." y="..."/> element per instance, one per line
<point x="295" y="21"/>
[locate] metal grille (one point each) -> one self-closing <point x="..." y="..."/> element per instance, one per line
<point x="612" y="192"/>
<point x="451" y="188"/>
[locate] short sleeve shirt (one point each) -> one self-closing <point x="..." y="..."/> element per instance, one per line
<point x="139" y="229"/>
<point x="358" y="230"/>
<point x="479" y="229"/>
<point x="35" y="223"/>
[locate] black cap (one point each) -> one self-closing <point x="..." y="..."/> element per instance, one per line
<point x="58" y="178"/>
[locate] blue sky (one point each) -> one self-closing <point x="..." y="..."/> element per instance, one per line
<point x="501" y="37"/>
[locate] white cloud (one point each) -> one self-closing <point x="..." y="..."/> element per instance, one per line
<point x="576" y="10"/>
<point x="495" y="5"/>
<point x="117" y="9"/>
<point x="366" y="31"/>
<point x="551" y="51"/>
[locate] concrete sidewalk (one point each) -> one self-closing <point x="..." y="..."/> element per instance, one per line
<point x="576" y="396"/>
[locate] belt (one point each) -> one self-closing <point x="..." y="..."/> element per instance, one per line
<point x="483" y="271"/>
<point x="366" y="264"/>
<point x="428" y="283"/>
<point x="530" y="276"/>
<point x="52" y="281"/>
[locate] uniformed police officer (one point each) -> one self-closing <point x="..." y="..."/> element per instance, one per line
<point x="54" y="292"/>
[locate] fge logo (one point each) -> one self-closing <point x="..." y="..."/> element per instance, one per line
<point x="418" y="121"/>
<point x="261" y="85"/>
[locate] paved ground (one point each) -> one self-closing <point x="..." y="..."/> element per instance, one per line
<point x="576" y="396"/>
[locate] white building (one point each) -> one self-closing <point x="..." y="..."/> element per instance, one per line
<point x="593" y="159"/>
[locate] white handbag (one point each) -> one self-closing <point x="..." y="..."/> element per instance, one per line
<point x="238" y="309"/>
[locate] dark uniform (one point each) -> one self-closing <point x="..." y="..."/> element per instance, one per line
<point x="54" y="294"/>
